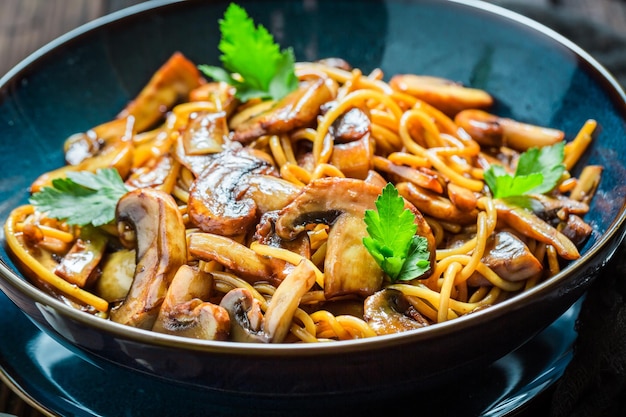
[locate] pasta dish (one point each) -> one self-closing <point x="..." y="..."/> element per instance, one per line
<point x="276" y="220"/>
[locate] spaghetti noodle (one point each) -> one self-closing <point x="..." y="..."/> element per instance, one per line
<point x="288" y="270"/>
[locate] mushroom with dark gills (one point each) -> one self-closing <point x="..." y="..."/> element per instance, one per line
<point x="341" y="203"/>
<point x="149" y="221"/>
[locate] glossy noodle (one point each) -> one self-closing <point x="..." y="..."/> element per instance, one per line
<point x="244" y="221"/>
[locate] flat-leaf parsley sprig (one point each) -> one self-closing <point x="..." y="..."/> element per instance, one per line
<point x="82" y="198"/>
<point x="392" y="241"/>
<point x="253" y="62"/>
<point x="538" y="171"/>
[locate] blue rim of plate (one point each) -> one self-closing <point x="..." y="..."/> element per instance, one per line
<point x="57" y="382"/>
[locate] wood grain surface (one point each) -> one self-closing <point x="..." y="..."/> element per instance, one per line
<point x="26" y="25"/>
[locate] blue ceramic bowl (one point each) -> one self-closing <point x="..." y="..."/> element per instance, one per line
<point x="85" y="77"/>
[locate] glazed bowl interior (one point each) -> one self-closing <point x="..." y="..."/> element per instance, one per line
<point x="87" y="76"/>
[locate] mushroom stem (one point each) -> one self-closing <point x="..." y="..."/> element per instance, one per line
<point x="161" y="248"/>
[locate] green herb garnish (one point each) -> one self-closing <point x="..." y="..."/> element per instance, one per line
<point x="253" y="62"/>
<point x="82" y="198"/>
<point x="392" y="240"/>
<point x="538" y="171"/>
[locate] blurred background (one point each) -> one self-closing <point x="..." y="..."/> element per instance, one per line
<point x="598" y="26"/>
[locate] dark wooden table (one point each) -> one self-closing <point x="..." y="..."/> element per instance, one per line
<point x="26" y="25"/>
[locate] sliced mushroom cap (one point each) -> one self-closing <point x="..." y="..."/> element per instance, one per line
<point x="436" y="205"/>
<point x="297" y="109"/>
<point x="285" y="301"/>
<point x="246" y="316"/>
<point x="172" y="82"/>
<point x="341" y="203"/>
<point x="508" y="257"/>
<point x="184" y="311"/>
<point x="117" y="275"/>
<point x="389" y="311"/>
<point x="217" y="201"/>
<point x="447" y="95"/>
<point x="527" y="223"/>
<point x="238" y="258"/>
<point x="491" y="130"/>
<point x="150" y="221"/>
<point x="118" y="155"/>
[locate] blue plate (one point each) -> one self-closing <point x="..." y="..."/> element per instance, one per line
<point x="87" y="76"/>
<point x="65" y="384"/>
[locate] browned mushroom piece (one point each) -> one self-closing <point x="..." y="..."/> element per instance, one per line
<point x="389" y="311"/>
<point x="266" y="235"/>
<point x="509" y="257"/>
<point x="248" y="323"/>
<point x="205" y="133"/>
<point x="557" y="207"/>
<point x="297" y="109"/>
<point x="576" y="229"/>
<point x="149" y="221"/>
<point x="353" y="147"/>
<point x="118" y="154"/>
<point x="285" y="301"/>
<point x="184" y="311"/>
<point x="172" y="82"/>
<point x="341" y="202"/>
<point x="159" y="173"/>
<point x="79" y="265"/>
<point x="447" y="95"/>
<point x="246" y="316"/>
<point x="436" y="205"/>
<point x="217" y="201"/>
<point x="216" y="92"/>
<point x="491" y="130"/>
<point x="529" y="224"/>
<point x="236" y="257"/>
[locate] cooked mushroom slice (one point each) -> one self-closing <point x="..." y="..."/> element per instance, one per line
<point x="449" y="96"/>
<point x="118" y="155"/>
<point x="246" y="316"/>
<point x="217" y="92"/>
<point x="173" y="81"/>
<point x="217" y="201"/>
<point x="491" y="130"/>
<point x="341" y="203"/>
<point x="206" y="133"/>
<point x="354" y="158"/>
<point x="266" y="235"/>
<point x="297" y="109"/>
<point x="117" y="275"/>
<point x="576" y="229"/>
<point x="80" y="263"/>
<point x="159" y="173"/>
<point x="436" y="205"/>
<point x="532" y="226"/>
<point x="389" y="311"/>
<point x="270" y="193"/>
<point x="238" y="258"/>
<point x="508" y="257"/>
<point x="184" y="313"/>
<point x="558" y="207"/>
<point x="285" y="301"/>
<point x="247" y="321"/>
<point x="150" y="221"/>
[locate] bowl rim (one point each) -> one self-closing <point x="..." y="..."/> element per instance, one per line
<point x="616" y="231"/>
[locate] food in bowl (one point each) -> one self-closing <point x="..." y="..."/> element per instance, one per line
<point x="315" y="203"/>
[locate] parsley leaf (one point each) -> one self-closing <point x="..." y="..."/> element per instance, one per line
<point x="538" y="171"/>
<point x="83" y="197"/>
<point x="392" y="240"/>
<point x="253" y="62"/>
